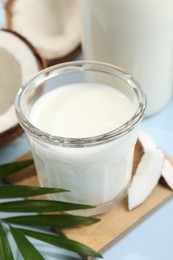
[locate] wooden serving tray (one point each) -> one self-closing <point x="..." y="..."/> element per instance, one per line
<point x="113" y="225"/>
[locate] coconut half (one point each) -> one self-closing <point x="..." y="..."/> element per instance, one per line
<point x="18" y="63"/>
<point x="52" y="26"/>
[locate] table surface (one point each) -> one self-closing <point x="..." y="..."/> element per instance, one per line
<point x="152" y="239"/>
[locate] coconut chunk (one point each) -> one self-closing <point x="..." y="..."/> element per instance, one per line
<point x="167" y="173"/>
<point x="4" y="122"/>
<point x="18" y="63"/>
<point x="53" y="27"/>
<point x="146" y="141"/>
<point x="146" y="178"/>
<point x="148" y="144"/>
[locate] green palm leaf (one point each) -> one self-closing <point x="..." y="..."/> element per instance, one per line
<point x="17" y="191"/>
<point x="37" y="206"/>
<point x="62" y="242"/>
<point x="31" y="206"/>
<point x="5" y="250"/>
<point x="59" y="221"/>
<point x="26" y="248"/>
<point x="10" y="168"/>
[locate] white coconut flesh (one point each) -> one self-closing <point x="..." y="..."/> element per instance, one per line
<point x="167" y="173"/>
<point x="152" y="166"/>
<point x="146" y="178"/>
<point x="52" y="26"/>
<point x="17" y="65"/>
<point x="146" y="141"/>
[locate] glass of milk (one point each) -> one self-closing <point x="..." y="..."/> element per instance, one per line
<point x="81" y="119"/>
<point x="137" y="36"/>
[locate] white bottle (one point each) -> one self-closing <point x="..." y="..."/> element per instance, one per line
<point x="137" y="36"/>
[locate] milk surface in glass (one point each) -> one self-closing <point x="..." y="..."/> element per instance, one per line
<point x="94" y="175"/>
<point x="137" y="36"/>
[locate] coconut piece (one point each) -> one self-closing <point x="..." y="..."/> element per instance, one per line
<point x="146" y="141"/>
<point x="167" y="173"/>
<point x="53" y="27"/>
<point x="18" y="63"/>
<point x="146" y="178"/>
<point x="148" y="144"/>
<point x="137" y="156"/>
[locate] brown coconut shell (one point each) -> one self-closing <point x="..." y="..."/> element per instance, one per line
<point x="71" y="55"/>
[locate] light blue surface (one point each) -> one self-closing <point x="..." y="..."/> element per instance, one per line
<point x="153" y="238"/>
<point x="2" y="15"/>
<point x="160" y="126"/>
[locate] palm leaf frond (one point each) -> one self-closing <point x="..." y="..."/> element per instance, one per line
<point x="26" y="248"/>
<point x="18" y="191"/>
<point x="5" y="250"/>
<point x="10" y="168"/>
<point x="59" y="221"/>
<point x="38" y="219"/>
<point x="62" y="242"/>
<point x="31" y="206"/>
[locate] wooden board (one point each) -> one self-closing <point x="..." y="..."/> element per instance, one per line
<point x="114" y="224"/>
<point x="118" y="222"/>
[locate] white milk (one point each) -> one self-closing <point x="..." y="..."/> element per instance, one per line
<point x="94" y="175"/>
<point x="137" y="36"/>
<point x="81" y="110"/>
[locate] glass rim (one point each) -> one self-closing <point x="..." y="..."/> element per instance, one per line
<point x="85" y="141"/>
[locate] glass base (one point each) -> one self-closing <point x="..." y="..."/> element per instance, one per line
<point x="100" y="209"/>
